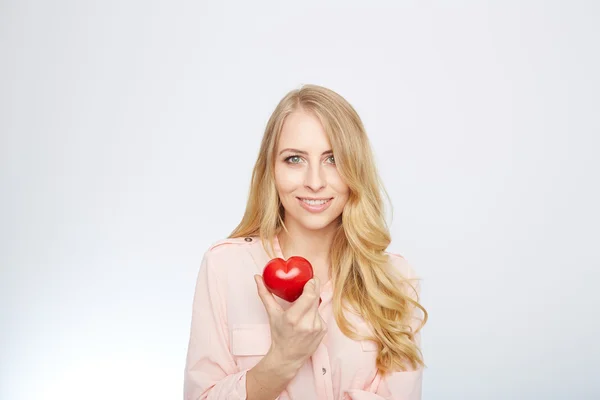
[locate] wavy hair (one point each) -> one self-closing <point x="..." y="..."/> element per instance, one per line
<point x="365" y="281"/>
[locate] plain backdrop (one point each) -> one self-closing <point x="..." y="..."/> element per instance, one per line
<point x="129" y="130"/>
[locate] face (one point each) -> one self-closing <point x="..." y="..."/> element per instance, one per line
<point x="307" y="180"/>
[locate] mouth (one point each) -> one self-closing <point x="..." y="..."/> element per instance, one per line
<point x="315" y="205"/>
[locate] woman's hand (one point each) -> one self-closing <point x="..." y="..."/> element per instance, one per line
<point x="295" y="335"/>
<point x="296" y="332"/>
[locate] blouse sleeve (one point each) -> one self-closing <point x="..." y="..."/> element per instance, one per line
<point x="210" y="370"/>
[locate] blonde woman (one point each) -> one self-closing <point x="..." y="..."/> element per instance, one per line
<point x="354" y="331"/>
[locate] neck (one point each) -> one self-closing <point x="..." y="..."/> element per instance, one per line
<point x="312" y="245"/>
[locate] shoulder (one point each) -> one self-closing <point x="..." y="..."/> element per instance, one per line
<point x="228" y="257"/>
<point x="230" y="250"/>
<point x="230" y="247"/>
<point x="231" y="243"/>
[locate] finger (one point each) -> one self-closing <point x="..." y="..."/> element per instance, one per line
<point x="321" y="324"/>
<point x="266" y="297"/>
<point x="308" y="300"/>
<point x="317" y="289"/>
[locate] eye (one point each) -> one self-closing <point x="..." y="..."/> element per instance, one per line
<point x="293" y="159"/>
<point x="332" y="160"/>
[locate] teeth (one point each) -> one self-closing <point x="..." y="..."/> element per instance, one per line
<point x="315" y="202"/>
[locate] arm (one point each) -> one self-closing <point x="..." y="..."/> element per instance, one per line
<point x="211" y="371"/>
<point x="269" y="378"/>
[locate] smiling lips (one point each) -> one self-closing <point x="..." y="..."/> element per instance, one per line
<point x="315" y="205"/>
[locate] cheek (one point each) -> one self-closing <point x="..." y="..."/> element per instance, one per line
<point x="285" y="181"/>
<point x="342" y="200"/>
<point x="338" y="185"/>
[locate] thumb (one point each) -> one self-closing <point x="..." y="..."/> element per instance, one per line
<point x="308" y="299"/>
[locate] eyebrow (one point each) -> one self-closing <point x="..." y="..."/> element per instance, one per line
<point x="303" y="152"/>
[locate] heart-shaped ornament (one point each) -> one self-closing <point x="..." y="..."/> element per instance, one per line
<point x="286" y="279"/>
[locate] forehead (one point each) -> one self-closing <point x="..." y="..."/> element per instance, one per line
<point x="302" y="130"/>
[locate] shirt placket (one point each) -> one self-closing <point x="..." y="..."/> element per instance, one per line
<point x="322" y="373"/>
<point x="320" y="358"/>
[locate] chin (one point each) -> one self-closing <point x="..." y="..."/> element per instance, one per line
<point x="316" y="224"/>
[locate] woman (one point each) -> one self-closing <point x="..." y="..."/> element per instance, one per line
<point x="354" y="331"/>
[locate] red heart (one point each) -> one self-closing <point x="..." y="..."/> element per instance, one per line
<point x="286" y="279"/>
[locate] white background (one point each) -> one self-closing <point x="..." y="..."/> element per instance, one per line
<point x="128" y="134"/>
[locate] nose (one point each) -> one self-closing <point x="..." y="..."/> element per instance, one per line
<point x="315" y="178"/>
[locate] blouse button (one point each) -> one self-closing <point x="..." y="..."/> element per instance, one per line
<point x="324" y="371"/>
<point x="248" y="239"/>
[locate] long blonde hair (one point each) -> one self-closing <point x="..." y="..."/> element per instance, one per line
<point x="363" y="279"/>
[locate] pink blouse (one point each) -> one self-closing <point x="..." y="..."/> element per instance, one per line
<point x="230" y="334"/>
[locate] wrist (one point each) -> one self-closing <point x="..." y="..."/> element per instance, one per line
<point x="277" y="365"/>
